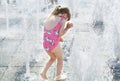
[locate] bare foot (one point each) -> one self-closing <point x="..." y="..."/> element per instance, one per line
<point x="43" y="76"/>
<point x="60" y="77"/>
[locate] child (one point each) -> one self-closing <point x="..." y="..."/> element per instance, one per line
<point x="55" y="26"/>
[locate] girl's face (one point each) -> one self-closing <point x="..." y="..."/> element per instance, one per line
<point x="65" y="16"/>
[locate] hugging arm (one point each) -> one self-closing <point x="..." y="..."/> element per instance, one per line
<point x="65" y="27"/>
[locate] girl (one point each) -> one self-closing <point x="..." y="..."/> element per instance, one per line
<point x="55" y="26"/>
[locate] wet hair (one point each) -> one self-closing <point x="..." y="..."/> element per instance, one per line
<point x="61" y="10"/>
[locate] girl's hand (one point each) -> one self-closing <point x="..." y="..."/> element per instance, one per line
<point x="69" y="25"/>
<point x="61" y="39"/>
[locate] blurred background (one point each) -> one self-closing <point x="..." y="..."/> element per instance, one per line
<point x="91" y="48"/>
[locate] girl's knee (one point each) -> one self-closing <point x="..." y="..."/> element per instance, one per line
<point x="53" y="58"/>
<point x="60" y="59"/>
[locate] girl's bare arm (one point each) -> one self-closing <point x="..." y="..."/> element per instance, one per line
<point x="65" y="27"/>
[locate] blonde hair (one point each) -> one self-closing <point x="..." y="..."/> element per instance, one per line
<point x="61" y="10"/>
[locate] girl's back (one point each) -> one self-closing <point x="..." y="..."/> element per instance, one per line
<point x="51" y="22"/>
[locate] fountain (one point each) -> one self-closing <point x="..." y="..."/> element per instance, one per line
<point x="95" y="53"/>
<point x="31" y="47"/>
<point x="7" y="16"/>
<point x="93" y="50"/>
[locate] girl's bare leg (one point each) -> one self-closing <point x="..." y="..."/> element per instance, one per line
<point x="48" y="64"/>
<point x="58" y="53"/>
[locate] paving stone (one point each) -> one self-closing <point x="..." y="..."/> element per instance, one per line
<point x="2" y="71"/>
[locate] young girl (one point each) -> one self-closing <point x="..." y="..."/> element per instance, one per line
<point x="55" y="26"/>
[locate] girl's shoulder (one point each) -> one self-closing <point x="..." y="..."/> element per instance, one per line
<point x="53" y="20"/>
